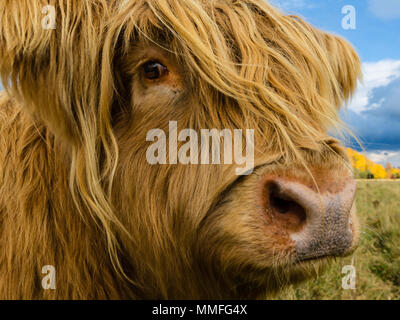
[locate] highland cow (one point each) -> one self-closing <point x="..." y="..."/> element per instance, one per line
<point x="76" y="189"/>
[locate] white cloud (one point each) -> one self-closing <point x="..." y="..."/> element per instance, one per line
<point x="385" y="9"/>
<point x="376" y="75"/>
<point x="384" y="157"/>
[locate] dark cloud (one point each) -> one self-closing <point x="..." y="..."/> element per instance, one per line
<point x="379" y="127"/>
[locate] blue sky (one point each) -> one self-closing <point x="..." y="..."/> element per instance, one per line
<point x="374" y="112"/>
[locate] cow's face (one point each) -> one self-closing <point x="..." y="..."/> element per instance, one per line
<point x="115" y="77"/>
<point x="243" y="68"/>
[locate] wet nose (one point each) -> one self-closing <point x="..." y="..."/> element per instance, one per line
<point x="318" y="221"/>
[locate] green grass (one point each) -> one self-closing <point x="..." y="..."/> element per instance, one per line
<point x="377" y="259"/>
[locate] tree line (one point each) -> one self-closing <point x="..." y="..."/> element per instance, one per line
<point x="364" y="168"/>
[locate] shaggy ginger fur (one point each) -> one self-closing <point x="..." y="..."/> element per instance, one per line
<point x="76" y="191"/>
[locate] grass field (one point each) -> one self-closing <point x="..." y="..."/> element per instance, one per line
<point x="377" y="259"/>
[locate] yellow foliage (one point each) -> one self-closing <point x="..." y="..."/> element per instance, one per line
<point x="378" y="171"/>
<point x="362" y="164"/>
<point x="396" y="173"/>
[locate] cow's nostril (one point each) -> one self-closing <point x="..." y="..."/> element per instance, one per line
<point x="289" y="213"/>
<point x="280" y="205"/>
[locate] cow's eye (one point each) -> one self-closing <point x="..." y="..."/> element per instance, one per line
<point x="154" y="70"/>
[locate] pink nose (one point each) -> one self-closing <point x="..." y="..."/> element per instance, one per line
<point x="318" y="222"/>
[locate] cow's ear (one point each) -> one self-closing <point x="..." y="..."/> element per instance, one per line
<point x="345" y="64"/>
<point x="50" y="53"/>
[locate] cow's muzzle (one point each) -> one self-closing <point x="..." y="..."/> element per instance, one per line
<point x="320" y="222"/>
